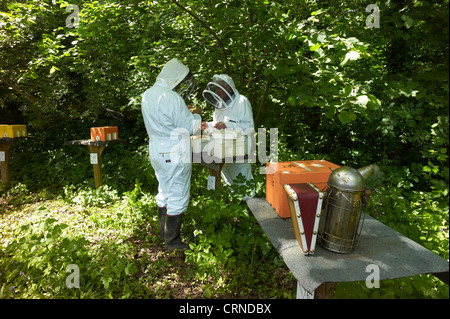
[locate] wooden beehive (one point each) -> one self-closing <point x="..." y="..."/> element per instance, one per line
<point x="104" y="133"/>
<point x="18" y="130"/>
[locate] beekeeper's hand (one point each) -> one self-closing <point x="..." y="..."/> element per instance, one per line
<point x="220" y="126"/>
<point x="203" y="126"/>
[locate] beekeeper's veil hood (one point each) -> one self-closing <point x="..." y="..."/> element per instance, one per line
<point x="221" y="91"/>
<point x="176" y="76"/>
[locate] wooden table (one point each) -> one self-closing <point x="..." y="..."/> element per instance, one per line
<point x="96" y="149"/>
<point x="215" y="165"/>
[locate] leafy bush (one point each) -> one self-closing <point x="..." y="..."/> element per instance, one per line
<point x="334" y="89"/>
<point x="36" y="252"/>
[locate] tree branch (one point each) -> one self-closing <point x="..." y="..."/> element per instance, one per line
<point x="266" y="90"/>
<point x="30" y="97"/>
<point x="251" y="62"/>
<point x="223" y="53"/>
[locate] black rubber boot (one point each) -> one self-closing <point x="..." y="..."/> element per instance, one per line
<point x="172" y="233"/>
<point x="161" y="222"/>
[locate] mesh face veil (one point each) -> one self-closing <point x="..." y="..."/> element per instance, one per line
<point x="219" y="93"/>
<point x="186" y="86"/>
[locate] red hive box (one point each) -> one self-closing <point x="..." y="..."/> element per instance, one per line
<point x="105" y="133"/>
<point x="280" y="173"/>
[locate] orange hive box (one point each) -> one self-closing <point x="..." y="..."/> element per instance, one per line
<point x="278" y="174"/>
<point x="12" y="131"/>
<point x="105" y="133"/>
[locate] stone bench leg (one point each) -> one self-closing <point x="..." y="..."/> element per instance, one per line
<point x="302" y="293"/>
<point x="324" y="291"/>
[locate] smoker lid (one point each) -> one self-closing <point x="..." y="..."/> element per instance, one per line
<point x="347" y="178"/>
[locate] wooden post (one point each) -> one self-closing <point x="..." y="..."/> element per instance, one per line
<point x="217" y="175"/>
<point x="96" y="149"/>
<point x="96" y="161"/>
<point x="325" y="290"/>
<point x="4" y="163"/>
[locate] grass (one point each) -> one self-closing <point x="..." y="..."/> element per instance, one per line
<point x="114" y="242"/>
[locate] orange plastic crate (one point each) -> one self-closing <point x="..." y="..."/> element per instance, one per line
<point x="315" y="172"/>
<point x="104" y="133"/>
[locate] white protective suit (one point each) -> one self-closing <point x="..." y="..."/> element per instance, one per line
<point x="236" y="114"/>
<point x="169" y="124"/>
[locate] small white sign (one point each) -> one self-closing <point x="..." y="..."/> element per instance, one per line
<point x="211" y="182"/>
<point x="2" y="156"/>
<point x="94" y="158"/>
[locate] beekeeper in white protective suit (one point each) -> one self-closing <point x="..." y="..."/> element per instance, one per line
<point x="169" y="124"/>
<point x="232" y="111"/>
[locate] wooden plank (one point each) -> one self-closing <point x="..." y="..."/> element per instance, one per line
<point x="4" y="164"/>
<point x="93" y="143"/>
<point x="98" y="150"/>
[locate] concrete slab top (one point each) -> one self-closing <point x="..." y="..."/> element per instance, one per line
<point x="396" y="255"/>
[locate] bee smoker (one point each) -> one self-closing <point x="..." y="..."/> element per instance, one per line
<point x="341" y="222"/>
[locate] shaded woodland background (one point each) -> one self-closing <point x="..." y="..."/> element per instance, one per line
<point x="333" y="87"/>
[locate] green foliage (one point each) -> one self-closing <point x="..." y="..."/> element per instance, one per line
<point x="417" y="287"/>
<point x="100" y="197"/>
<point x="113" y="240"/>
<point x="423" y="217"/>
<point x="92" y="235"/>
<point x="226" y="234"/>
<point x="34" y="265"/>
